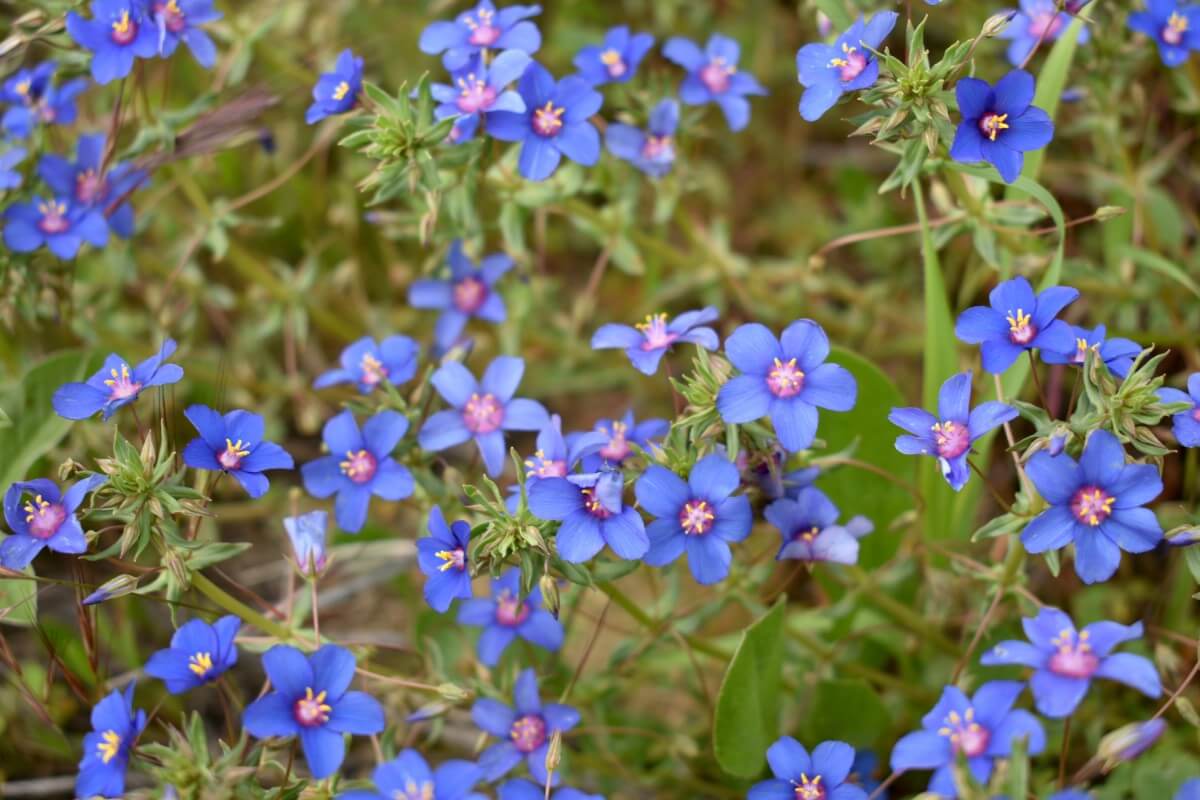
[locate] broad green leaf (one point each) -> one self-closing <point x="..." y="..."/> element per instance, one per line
<point x="1163" y="266"/>
<point x="18" y="599"/>
<point x="1051" y="82"/>
<point x="747" y="717"/>
<point x="845" y="710"/>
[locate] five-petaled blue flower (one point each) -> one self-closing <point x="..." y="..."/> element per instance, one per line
<point x="593" y="514"/>
<point x="980" y="729"/>
<point x="442" y="556"/>
<point x="1096" y="503"/>
<point x="525" y="728"/>
<point x="700" y="515"/>
<point x="948" y="436"/>
<point x="481" y="29"/>
<point x="809" y="526"/>
<point x="115" y="728"/>
<point x="177" y="21"/>
<point x="34" y="100"/>
<point x="307" y="533"/>
<point x="620" y="435"/>
<point x="336" y="92"/>
<point x="359" y="465"/>
<point x="521" y="789"/>
<point x="713" y="76"/>
<point x="1117" y="354"/>
<point x="233" y="443"/>
<point x="617" y="59"/>
<point x="46" y="519"/>
<point x="647" y="342"/>
<point x="506" y="616"/>
<point x="367" y="363"/>
<point x="1017" y="320"/>
<point x="115" y="385"/>
<point x="1065" y="660"/>
<point x="652" y="150"/>
<point x="90" y="186"/>
<point x="469" y="292"/>
<point x="309" y="700"/>
<point x="800" y="776"/>
<point x="118" y="31"/>
<point x="57" y="223"/>
<point x="481" y="410"/>
<point x="1036" y="22"/>
<point x="199" y="653"/>
<point x="828" y="71"/>
<point x="11" y="178"/>
<point x="480" y="89"/>
<point x="1174" y="27"/>
<point x="786" y="379"/>
<point x="555" y="457"/>
<point x="1185" y="424"/>
<point x="999" y="124"/>
<point x="408" y="777"/>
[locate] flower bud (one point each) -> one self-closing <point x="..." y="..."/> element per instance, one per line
<point x="114" y="587"/>
<point x="307" y="532"/>
<point x="1129" y="742"/>
<point x="554" y="752"/>
<point x="996" y="24"/>
<point x="549" y="587"/>
<point x="453" y="692"/>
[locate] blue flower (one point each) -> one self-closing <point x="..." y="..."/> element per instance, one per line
<point x="647" y="342"/>
<point x="701" y="516"/>
<point x="786" y="379"/>
<point x="620" y="435"/>
<point x="1117" y="354"/>
<point x="114" y="587"/>
<point x="771" y="479"/>
<point x="90" y="186"/>
<point x="810" y="530"/>
<point x="615" y="61"/>
<point x="199" y="654"/>
<point x="506" y="616"/>
<point x="234" y="444"/>
<point x="479" y="90"/>
<point x="336" y="92"/>
<point x="653" y="150"/>
<point x="481" y="410"/>
<point x="981" y="729"/>
<point x="1185" y="424"/>
<point x="177" y="21"/>
<point x="592" y="514"/>
<point x="469" y="292"/>
<point x="999" y="125"/>
<point x="1097" y="503"/>
<point x="481" y="29"/>
<point x="521" y="789"/>
<point x="525" y="729"/>
<point x="47" y="519"/>
<point x="115" y="728"/>
<point x="1037" y="21"/>
<point x="555" y="456"/>
<point x="554" y="123"/>
<point x="1174" y="26"/>
<point x="309" y="700"/>
<point x="828" y="71"/>
<point x="713" y="76"/>
<point x="360" y="464"/>
<point x="307" y="533"/>
<point x="800" y="776"/>
<point x="1189" y="790"/>
<point x="408" y="777"/>
<point x="442" y="556"/>
<point x="948" y="436"/>
<point x="57" y="223"/>
<point x="1018" y="320"/>
<point x="114" y="385"/>
<point x="118" y="31"/>
<point x="862" y="772"/>
<point x="367" y="364"/>
<point x="1065" y="661"/>
<point x="35" y="100"/>
<point x="11" y="178"/>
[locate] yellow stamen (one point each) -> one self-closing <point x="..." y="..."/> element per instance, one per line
<point x="200" y="664"/>
<point x="341" y="90"/>
<point x="109" y="746"/>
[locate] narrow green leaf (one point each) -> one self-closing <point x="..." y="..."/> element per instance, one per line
<point x="18" y="599"/>
<point x="747" y="715"/>
<point x="1163" y="266"/>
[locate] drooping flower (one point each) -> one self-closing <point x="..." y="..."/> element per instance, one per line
<point x="106" y="750"/>
<point x="616" y="60"/>
<point x="948" y="437"/>
<point x="482" y="29"/>
<point x="480" y="89"/>
<point x="118" y="31"/>
<point x="1036" y="22"/>
<point x="469" y="292"/>
<point x="556" y="456"/>
<point x="810" y="530"/>
<point x="307" y="533"/>
<point x="442" y="556"/>
<point x="367" y="364"/>
<point x="982" y="729"/>
<point x="525" y="729"/>
<point x="481" y="410"/>
<point x="10" y="178"/>
<point x="772" y="479"/>
<point x="647" y="342"/>
<point x="786" y="379"/>
<point x="1174" y="27"/>
<point x="115" y="385"/>
<point x="800" y="776"/>
<point x="56" y="223"/>
<point x="506" y="616"/>
<point x="620" y="435"/>
<point x="199" y="654"/>
<point x="1116" y="353"/>
<point x="653" y="150"/>
<point x="701" y="516"/>
<point x="593" y="514"/>
<point x="828" y="71"/>
<point x="1065" y="660"/>
<point x="33" y="100"/>
<point x="1185" y="424"/>
<point x="1017" y="320"/>
<point x="999" y="125"/>
<point x="89" y="186"/>
<point x="521" y="789"/>
<point x="713" y="76"/>
<point x="408" y="777"/>
<point x="45" y="519"/>
<point x="234" y="444"/>
<point x="336" y="92"/>
<point x="117" y="586"/>
<point x="309" y="699"/>
<point x="359" y="465"/>
<point x="178" y="21"/>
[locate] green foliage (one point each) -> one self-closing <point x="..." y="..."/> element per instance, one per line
<point x="747" y="715"/>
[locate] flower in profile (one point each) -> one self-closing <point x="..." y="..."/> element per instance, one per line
<point x="521" y="789"/>
<point x="1065" y="660"/>
<point x="359" y="465"/>
<point x="980" y="729"/>
<point x="828" y="71"/>
<point x="810" y="530"/>
<point x="801" y="776"/>
<point x="1185" y="424"/>
<point x="948" y="437"/>
<point x="1174" y="27"/>
<point x="336" y="92"/>
<point x="199" y="654"/>
<point x="309" y="700"/>
<point x="480" y="89"/>
<point x="307" y="533"/>
<point x="526" y="729"/>
<point x="506" y="616"/>
<point x="469" y="292"/>
<point x="1017" y="320"/>
<point x="114" y="587"/>
<point x="89" y="185"/>
<point x="33" y="99"/>
<point x="115" y="385"/>
<point x="118" y="31"/>
<point x="617" y="59"/>
<point x="1095" y="503"/>
<point x="10" y="178"/>
<point x="647" y="342"/>
<point x="1130" y="741"/>
<point x="653" y="150"/>
<point x="702" y="516"/>
<point x="1117" y="354"/>
<point x="442" y="556"/>
<point x="556" y="456"/>
<point x="593" y="514"/>
<point x="115" y="728"/>
<point x="481" y="410"/>
<point x="482" y="29"/>
<point x="408" y="777"/>
<point x="1036" y="21"/>
<point x="713" y="76"/>
<point x="58" y="224"/>
<point x="367" y="364"/>
<point x="178" y="21"/>
<point x="554" y="123"/>
<point x="46" y="518"/>
<point x="234" y="444"/>
<point x="1000" y="124"/>
<point x="620" y="437"/>
<point x="786" y="379"/>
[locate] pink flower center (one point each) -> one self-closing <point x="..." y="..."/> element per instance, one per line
<point x="1074" y="658"/>
<point x="951" y="438"/>
<point x="657" y="147"/>
<point x="592" y="504"/>
<point x="124" y="29"/>
<point x="1196" y="413"/>
<point x="470" y="294"/>
<point x="359" y="466"/>
<point x="614" y="63"/>
<point x="785" y="379"/>
<point x="373" y="370"/>
<point x="231" y="457"/>
<point x="656" y="333"/>
<point x="476" y="95"/>
<point x="121" y="385"/>
<point x="715" y="75"/>
<point x="54" y="217"/>
<point x="171" y="15"/>
<point x="1045" y="25"/>
<point x="89" y="187"/>
<point x="311" y="710"/>
<point x="856" y="62"/>
<point x="809" y="788"/>
<point x="482" y="414"/>
<point x="966" y="735"/>
<point x="483" y="32"/>
<point x="1176" y="27"/>
<point x="510" y="611"/>
<point x="528" y="733"/>
<point x="618" y="449"/>
<point x="696" y="517"/>
<point x="541" y="467"/>
<point x="548" y="120"/>
<point x="1092" y="505"/>
<point x="1021" y="329"/>
<point x="43" y="517"/>
<point x="991" y="123"/>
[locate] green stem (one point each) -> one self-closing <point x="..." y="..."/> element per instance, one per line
<point x="901" y="613"/>
<point x="235" y="606"/>
<point x="630" y="607"/>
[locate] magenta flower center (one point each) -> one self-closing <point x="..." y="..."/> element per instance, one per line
<point x="657" y="147"/>
<point x="483" y="32"/>
<point x="617" y="449"/>
<point x="43" y="517"/>
<point x="1045" y="25"/>
<point x="715" y="75"/>
<point x="231" y="457"/>
<point x="476" y="95"/>
<point x="966" y="735"/>
<point x="951" y="438"/>
<point x="89" y="187"/>
<point x="54" y="217"/>
<point x="482" y="414"/>
<point x="1074" y="657"/>
<point x="1092" y="505"/>
<point x="541" y="467"/>
<point x="809" y="788"/>
<point x="470" y="294"/>
<point x="312" y="710"/>
<point x="528" y="733"/>
<point x="614" y="63"/>
<point x="171" y="15"/>
<point x="510" y="611"/>
<point x="656" y="333"/>
<point x="373" y="370"/>
<point x="852" y="65"/>
<point x="696" y="517"/>
<point x="1021" y="329"/>
<point x="785" y="379"/>
<point x="592" y="504"/>
<point x="121" y="386"/>
<point x="548" y="120"/>
<point x="1081" y="350"/>
<point x="359" y="466"/>
<point x="1196" y="413"/>
<point x="124" y="29"/>
<point x="1176" y="27"/>
<point x="46" y="112"/>
<point x="991" y="123"/>
<point x="455" y="559"/>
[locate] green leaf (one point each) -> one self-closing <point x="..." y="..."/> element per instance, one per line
<point x="827" y="717"/>
<point x="1163" y="266"/>
<point x="837" y="13"/>
<point x="1051" y="82"/>
<point x="747" y="717"/>
<point x="21" y="597"/>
